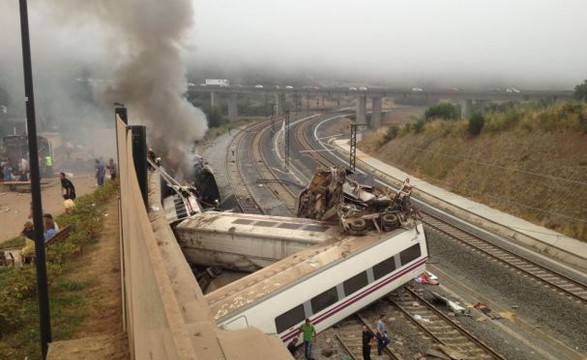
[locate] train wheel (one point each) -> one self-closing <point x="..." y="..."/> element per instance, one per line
<point x="357" y="226"/>
<point x="390" y="221"/>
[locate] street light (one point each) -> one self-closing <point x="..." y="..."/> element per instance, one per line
<point x="42" y="288"/>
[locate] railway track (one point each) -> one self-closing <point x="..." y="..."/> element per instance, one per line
<point x="267" y="175"/>
<point x="557" y="281"/>
<point x="349" y="334"/>
<point x="439" y="327"/>
<point x="244" y="197"/>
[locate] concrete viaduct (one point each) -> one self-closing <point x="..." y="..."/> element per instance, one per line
<point x="464" y="97"/>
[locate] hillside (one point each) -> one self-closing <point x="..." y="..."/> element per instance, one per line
<point x="530" y="162"/>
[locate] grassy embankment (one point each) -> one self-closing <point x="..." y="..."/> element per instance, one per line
<point x="69" y="299"/>
<point x="529" y="161"/>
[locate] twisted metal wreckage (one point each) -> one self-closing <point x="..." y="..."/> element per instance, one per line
<point x="359" y="208"/>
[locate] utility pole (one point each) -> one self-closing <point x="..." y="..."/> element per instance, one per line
<point x="42" y="287"/>
<point x="353" y="149"/>
<point x="286" y="140"/>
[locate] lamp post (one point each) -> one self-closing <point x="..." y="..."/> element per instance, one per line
<point x="42" y="288"/>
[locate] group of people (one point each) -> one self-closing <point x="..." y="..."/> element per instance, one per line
<point x="8" y="170"/>
<point x="50" y="228"/>
<point x="101" y="168"/>
<point x="309" y="333"/>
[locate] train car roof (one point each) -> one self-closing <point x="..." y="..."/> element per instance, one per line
<point x="290" y="270"/>
<point x="259" y="226"/>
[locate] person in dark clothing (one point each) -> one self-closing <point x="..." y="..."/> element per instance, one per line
<point x="112" y="169"/>
<point x="292" y="346"/>
<point x="67" y="187"/>
<point x="367" y="338"/>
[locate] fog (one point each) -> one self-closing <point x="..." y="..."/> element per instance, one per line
<point x="537" y="44"/>
<point x="89" y="54"/>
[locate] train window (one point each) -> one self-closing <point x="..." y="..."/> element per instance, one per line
<point x="383" y="268"/>
<point x="409" y="254"/>
<point x="289" y="318"/>
<point x="316" y="228"/>
<point x="265" y="223"/>
<point x="355" y="283"/>
<point x="242" y="221"/>
<point x="289" y="226"/>
<point x="324" y="300"/>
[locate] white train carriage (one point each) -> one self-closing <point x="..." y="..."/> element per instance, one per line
<point x="325" y="283"/>
<point x="247" y="242"/>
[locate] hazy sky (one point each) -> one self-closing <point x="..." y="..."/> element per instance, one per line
<point x="533" y="43"/>
<point x="522" y="43"/>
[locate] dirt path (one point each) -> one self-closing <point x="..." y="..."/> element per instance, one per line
<point x="101" y="335"/>
<point x="15" y="208"/>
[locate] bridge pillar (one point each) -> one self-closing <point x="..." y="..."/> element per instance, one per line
<point x="213" y="99"/>
<point x="376" y="115"/>
<point x="233" y="107"/>
<point x="279" y="104"/>
<point x="361" y="109"/>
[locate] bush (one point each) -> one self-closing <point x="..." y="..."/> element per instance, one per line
<point x="581" y="91"/>
<point x="419" y="125"/>
<point x="18" y="286"/>
<point x="391" y="133"/>
<point x="476" y="123"/>
<point x="445" y="111"/>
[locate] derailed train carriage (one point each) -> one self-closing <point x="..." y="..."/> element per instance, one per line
<point x="376" y="245"/>
<point x="380" y="246"/>
<point x="325" y="283"/>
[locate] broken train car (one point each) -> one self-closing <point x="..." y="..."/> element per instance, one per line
<point x="332" y="207"/>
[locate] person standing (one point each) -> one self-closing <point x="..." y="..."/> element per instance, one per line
<point x="367" y="337"/>
<point x="112" y="169"/>
<point x="67" y="187"/>
<point x="100" y="172"/>
<point x="24" y="169"/>
<point x="382" y="337"/>
<point x="309" y="332"/>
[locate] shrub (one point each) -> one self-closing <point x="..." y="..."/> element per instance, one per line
<point x="476" y="123"/>
<point x="445" y="111"/>
<point x="419" y="125"/>
<point x="391" y="133"/>
<point x="18" y="286"/>
<point x="581" y="91"/>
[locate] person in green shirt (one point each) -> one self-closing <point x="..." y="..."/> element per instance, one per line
<point x="309" y="332"/>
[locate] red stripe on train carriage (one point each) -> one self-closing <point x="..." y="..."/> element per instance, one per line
<point x="350" y="300"/>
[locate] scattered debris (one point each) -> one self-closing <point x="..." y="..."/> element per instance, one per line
<point x="454" y="307"/>
<point x="427" y="278"/>
<point x="486" y="310"/>
<point x="358" y="207"/>
<point x="508" y="315"/>
<point x="420" y="318"/>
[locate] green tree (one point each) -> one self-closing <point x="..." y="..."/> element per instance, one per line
<point x="214" y="116"/>
<point x="476" y="123"/>
<point x="581" y="91"/>
<point x="445" y="111"/>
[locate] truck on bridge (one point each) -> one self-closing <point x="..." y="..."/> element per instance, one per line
<point x="217" y="82"/>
